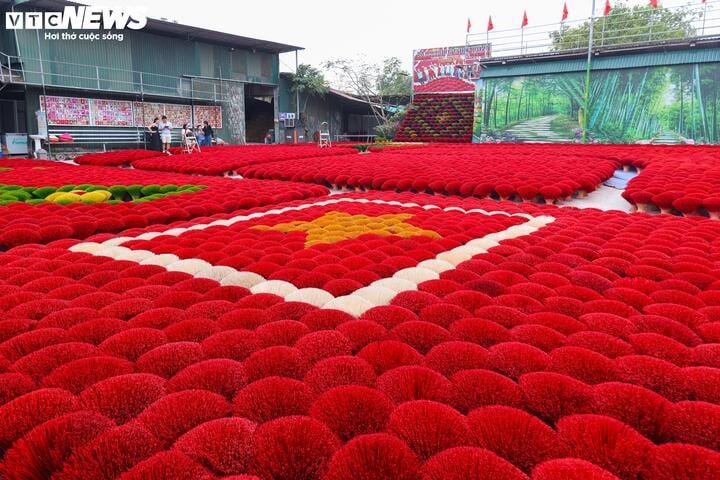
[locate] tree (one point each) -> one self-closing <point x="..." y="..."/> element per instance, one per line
<point x="394" y="81"/>
<point x="390" y="129"/>
<point x="628" y="25"/>
<point x="377" y="84"/>
<point x="308" y="81"/>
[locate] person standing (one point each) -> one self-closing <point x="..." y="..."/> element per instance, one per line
<point x="199" y="135"/>
<point x="165" y="128"/>
<point x="155" y="143"/>
<point x="208" y="132"/>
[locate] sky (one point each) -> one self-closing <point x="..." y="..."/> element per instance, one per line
<point x="375" y="29"/>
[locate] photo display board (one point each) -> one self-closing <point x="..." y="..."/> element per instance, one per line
<point x="66" y="110"/>
<point x="211" y="113"/>
<point x="87" y="112"/>
<point x="111" y="113"/>
<point x="448" y="69"/>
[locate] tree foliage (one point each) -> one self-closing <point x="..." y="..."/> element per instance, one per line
<point x="309" y="81"/>
<point x="390" y="129"/>
<point x="626" y="25"/>
<point x="376" y="83"/>
<point x="393" y="80"/>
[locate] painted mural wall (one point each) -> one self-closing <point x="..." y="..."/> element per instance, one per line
<point x="669" y="104"/>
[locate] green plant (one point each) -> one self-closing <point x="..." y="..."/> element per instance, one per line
<point x="308" y="81"/>
<point x="388" y="130"/>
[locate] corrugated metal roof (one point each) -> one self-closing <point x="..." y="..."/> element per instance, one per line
<point x="640" y="60"/>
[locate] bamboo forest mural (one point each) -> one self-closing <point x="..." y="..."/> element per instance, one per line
<point x="669" y="104"/>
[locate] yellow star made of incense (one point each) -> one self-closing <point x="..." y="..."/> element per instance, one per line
<point x="338" y="226"/>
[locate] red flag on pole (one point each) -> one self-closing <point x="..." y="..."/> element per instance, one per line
<point x="469" y="25"/>
<point x="606" y="12"/>
<point x="565" y="12"/>
<point x="490" y="24"/>
<point x="525" y="20"/>
<point x="654" y="3"/>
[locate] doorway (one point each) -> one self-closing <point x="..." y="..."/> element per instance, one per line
<point x="259" y="112"/>
<point x="13" y="118"/>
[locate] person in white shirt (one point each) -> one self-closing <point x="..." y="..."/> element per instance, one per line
<point x="165" y="128"/>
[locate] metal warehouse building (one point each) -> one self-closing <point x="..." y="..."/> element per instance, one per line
<point x="105" y="92"/>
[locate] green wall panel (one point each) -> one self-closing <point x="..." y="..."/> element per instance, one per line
<point x="144" y="62"/>
<point x="639" y="60"/>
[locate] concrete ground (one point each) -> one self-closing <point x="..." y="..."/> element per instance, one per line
<point x="604" y="198"/>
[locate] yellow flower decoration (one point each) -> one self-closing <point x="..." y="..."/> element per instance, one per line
<point x="338" y="226"/>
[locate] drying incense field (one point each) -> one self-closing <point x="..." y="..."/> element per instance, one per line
<point x="420" y="312"/>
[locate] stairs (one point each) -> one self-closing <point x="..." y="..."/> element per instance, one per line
<point x="666" y="138"/>
<point x="439" y="118"/>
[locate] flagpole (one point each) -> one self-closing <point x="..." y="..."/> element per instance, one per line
<point x="652" y="21"/>
<point x="704" y="17"/>
<point x="587" y="75"/>
<point x="490" y="26"/>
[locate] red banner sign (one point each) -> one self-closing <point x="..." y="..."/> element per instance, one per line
<point x="448" y="69"/>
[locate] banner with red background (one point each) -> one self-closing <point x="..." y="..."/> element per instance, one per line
<point x="448" y="69"/>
